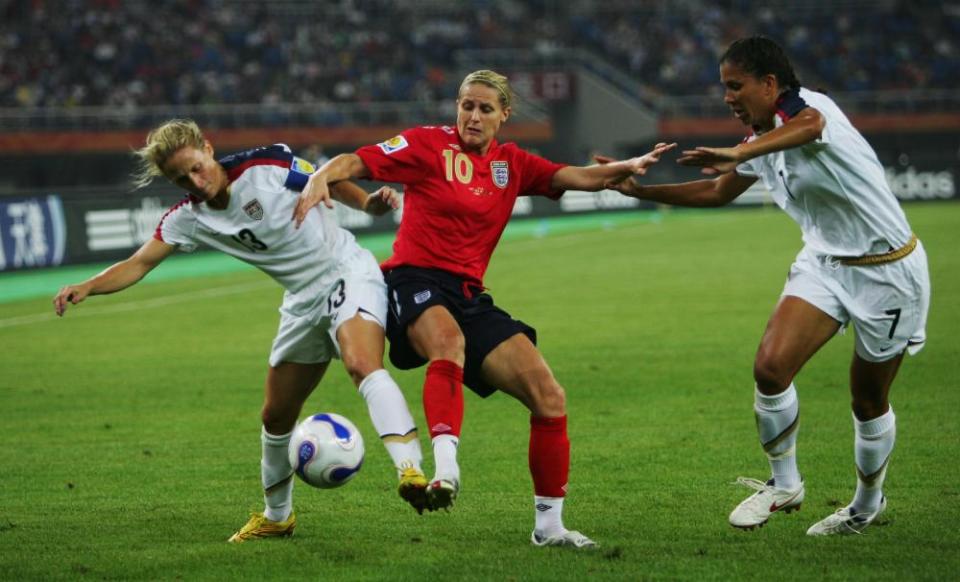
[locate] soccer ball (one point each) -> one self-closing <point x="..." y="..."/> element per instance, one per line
<point x="326" y="450"/>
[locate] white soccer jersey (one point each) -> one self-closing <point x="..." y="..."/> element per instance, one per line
<point x="257" y="226"/>
<point x="834" y="187"/>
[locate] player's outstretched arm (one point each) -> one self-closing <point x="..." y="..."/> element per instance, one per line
<point x="600" y="176"/>
<point x="698" y="194"/>
<point x="802" y="129"/>
<point x="115" y="278"/>
<point x="317" y="190"/>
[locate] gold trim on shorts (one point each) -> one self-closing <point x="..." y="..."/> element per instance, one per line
<point x="894" y="255"/>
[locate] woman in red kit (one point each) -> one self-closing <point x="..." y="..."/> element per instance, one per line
<point x="460" y="188"/>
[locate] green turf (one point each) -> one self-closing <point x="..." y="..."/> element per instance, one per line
<point x="130" y="438"/>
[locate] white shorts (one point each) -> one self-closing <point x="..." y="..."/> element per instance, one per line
<point x="887" y="304"/>
<point x="311" y="338"/>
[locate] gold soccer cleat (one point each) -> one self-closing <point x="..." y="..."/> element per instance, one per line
<point x="413" y="488"/>
<point x="261" y="527"/>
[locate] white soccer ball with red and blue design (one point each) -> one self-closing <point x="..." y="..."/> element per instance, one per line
<point x="326" y="450"/>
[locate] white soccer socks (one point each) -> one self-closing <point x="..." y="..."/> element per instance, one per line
<point x="549" y="516"/>
<point x="778" y="418"/>
<point x="872" y="447"/>
<point x="445" y="455"/>
<point x="276" y="475"/>
<point x="392" y="419"/>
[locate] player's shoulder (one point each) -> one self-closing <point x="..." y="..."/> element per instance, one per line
<point x="821" y="102"/>
<point x="435" y="130"/>
<point x="183" y="210"/>
<point x="421" y="136"/>
<point x="432" y="134"/>
<point x="257" y="160"/>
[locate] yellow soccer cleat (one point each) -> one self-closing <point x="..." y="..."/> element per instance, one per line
<point x="261" y="527"/>
<point x="413" y="488"/>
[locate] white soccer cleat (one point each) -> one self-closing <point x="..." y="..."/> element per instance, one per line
<point x="846" y="521"/>
<point x="441" y="493"/>
<point x="572" y="539"/>
<point x="755" y="510"/>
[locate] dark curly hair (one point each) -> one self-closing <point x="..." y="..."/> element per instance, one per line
<point x="759" y="56"/>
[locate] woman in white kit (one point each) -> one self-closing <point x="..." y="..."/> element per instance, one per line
<point x="861" y="265"/>
<point x="335" y="301"/>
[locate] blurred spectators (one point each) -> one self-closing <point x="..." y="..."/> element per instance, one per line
<point x="132" y="53"/>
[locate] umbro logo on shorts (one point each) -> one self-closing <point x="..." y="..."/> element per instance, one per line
<point x="421" y="297"/>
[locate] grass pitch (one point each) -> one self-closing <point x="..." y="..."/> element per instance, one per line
<point x="130" y="434"/>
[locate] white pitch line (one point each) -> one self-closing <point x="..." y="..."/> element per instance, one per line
<point x="75" y="311"/>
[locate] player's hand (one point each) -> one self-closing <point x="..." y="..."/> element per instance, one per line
<point x="383" y="201"/>
<point x="627" y="186"/>
<point x="69" y="294"/>
<point x="640" y="164"/>
<point x="316" y="191"/>
<point x="714" y="161"/>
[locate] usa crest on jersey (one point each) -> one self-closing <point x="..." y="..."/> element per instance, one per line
<point x="253" y="209"/>
<point x="501" y="173"/>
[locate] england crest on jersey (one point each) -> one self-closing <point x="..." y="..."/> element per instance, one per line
<point x="253" y="209"/>
<point x="501" y="173"/>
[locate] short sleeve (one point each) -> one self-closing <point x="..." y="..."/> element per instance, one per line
<point x="399" y="159"/>
<point x="536" y="175"/>
<point x="176" y="227"/>
<point x="748" y="169"/>
<point x="300" y="171"/>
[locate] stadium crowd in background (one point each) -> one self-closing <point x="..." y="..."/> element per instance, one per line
<point x="122" y="54"/>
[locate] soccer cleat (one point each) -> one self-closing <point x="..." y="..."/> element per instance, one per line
<point x="755" y="510"/>
<point x="261" y="527"/>
<point x="413" y="489"/>
<point x="441" y="493"/>
<point x="846" y="521"/>
<point x="571" y="539"/>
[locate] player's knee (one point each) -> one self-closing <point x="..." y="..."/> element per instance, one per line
<point x="447" y="344"/>
<point x="770" y="374"/>
<point x="547" y="396"/>
<point x="868" y="409"/>
<point x="359" y="365"/>
<point x="275" y="420"/>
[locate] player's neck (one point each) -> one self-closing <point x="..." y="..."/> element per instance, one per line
<point x="221" y="200"/>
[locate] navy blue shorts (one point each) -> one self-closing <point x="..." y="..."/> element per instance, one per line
<point x="412" y="290"/>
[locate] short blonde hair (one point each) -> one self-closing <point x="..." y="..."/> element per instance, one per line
<point x="163" y="142"/>
<point x="493" y="80"/>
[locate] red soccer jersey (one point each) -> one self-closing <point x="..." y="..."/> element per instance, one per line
<point x="456" y="203"/>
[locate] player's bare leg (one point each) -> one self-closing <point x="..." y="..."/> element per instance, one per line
<point x="288" y="386"/>
<point x="517" y="368"/>
<point x="794" y="333"/>
<point x="361" y="343"/>
<point x="875" y="432"/>
<point x="436" y="336"/>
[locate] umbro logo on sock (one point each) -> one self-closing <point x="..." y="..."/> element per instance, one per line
<point x="441" y="427"/>
<point x="543" y="507"/>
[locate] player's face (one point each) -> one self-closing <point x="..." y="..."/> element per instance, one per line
<point x="752" y="99"/>
<point x="479" y="116"/>
<point x="196" y="171"/>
